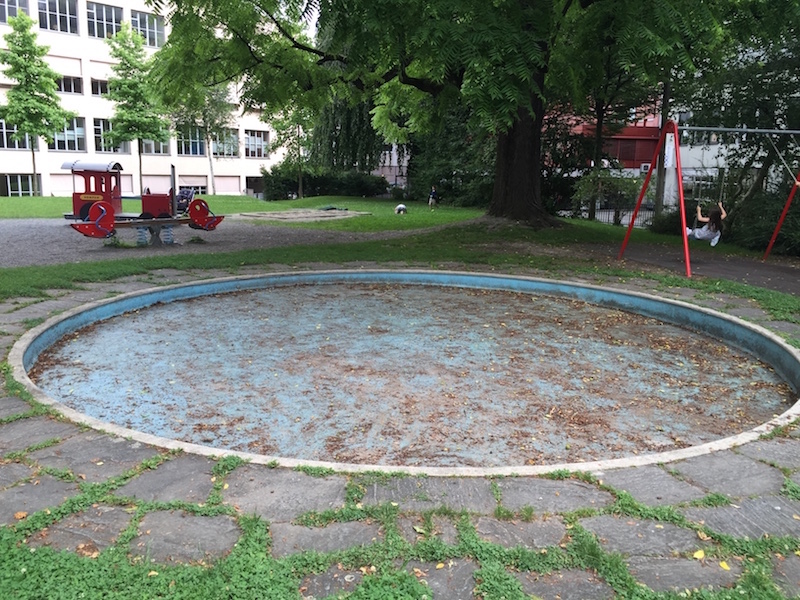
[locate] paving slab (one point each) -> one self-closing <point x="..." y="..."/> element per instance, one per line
<point x="11" y="473"/>
<point x="550" y="496"/>
<point x="729" y="473"/>
<point x="445" y="530"/>
<point x="411" y="528"/>
<point x="784" y="452"/>
<point x="11" y="406"/>
<point x="567" y="584"/>
<point x="88" y="533"/>
<point x="427" y="493"/>
<point x="282" y="494"/>
<point x="533" y="535"/>
<point x="334" y="581"/>
<point x="642" y="537"/>
<point x="94" y="456"/>
<point x="790" y="329"/>
<point x="290" y="539"/>
<point x="186" y="477"/>
<point x="450" y="580"/>
<point x="171" y="537"/>
<point x="652" y="485"/>
<point x="751" y="518"/>
<point x="786" y="574"/>
<point x="27" y="498"/>
<point x="679" y="574"/>
<point x="24" y="433"/>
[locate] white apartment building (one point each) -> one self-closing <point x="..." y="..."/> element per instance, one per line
<point x="75" y="32"/>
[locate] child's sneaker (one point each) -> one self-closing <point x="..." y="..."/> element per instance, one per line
<point x="689" y="231"/>
<point x="715" y="241"/>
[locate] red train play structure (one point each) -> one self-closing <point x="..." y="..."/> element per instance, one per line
<point x="99" y="206"/>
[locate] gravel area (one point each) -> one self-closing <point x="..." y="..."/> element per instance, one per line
<point x="28" y="242"/>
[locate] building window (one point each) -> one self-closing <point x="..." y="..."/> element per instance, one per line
<point x="191" y="142"/>
<point x="10" y="8"/>
<point x="7" y="142"/>
<point x="151" y="147"/>
<point x="59" y="15"/>
<point x="256" y="144"/>
<point x="227" y="144"/>
<point x="101" y="142"/>
<point x="150" y="27"/>
<point x="17" y="185"/>
<point x="103" y="21"/>
<point x="197" y="189"/>
<point x="99" y="87"/>
<point x="72" y="137"/>
<point x="70" y="85"/>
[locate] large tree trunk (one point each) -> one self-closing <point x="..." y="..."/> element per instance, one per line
<point x="517" y="190"/>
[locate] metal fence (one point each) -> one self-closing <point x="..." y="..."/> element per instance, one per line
<point x="643" y="218"/>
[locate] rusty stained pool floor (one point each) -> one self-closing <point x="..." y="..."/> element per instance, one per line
<point x="410" y="375"/>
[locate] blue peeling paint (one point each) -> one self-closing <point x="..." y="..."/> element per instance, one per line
<point x="186" y="369"/>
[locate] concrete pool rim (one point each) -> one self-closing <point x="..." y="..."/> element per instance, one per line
<point x="758" y="341"/>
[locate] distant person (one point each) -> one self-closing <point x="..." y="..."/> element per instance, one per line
<point x="712" y="230"/>
<point x="400" y="209"/>
<point x="433" y="197"/>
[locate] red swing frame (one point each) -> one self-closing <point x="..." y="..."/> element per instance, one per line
<point x="783" y="216"/>
<point x="672" y="127"/>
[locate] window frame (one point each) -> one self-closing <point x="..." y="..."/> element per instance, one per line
<point x="256" y="145"/>
<point x="66" y="84"/>
<point x="7" y="7"/>
<point x="230" y="145"/>
<point x="195" y="143"/>
<point x="107" y="16"/>
<point x="152" y="30"/>
<point x="8" y="143"/>
<point x="73" y="134"/>
<point x="101" y="87"/>
<point x="152" y="147"/>
<point x="103" y="146"/>
<point x="50" y="14"/>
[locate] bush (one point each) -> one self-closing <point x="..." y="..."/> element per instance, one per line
<point x="280" y="183"/>
<point x="752" y="224"/>
<point x="610" y="188"/>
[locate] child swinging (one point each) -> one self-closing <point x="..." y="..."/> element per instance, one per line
<point x="712" y="230"/>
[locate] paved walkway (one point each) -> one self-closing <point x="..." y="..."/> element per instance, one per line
<point x="657" y="519"/>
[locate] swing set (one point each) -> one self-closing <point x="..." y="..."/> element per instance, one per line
<point x="672" y="127"/>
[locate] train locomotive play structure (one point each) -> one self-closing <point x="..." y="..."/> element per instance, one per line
<point x="98" y="208"/>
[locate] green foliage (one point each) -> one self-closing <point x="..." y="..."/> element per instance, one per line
<point x="754" y="223"/>
<point x="457" y="158"/>
<point x="281" y="182"/>
<point x="343" y="138"/>
<point x="609" y="189"/>
<point x="32" y="104"/>
<point x="135" y="117"/>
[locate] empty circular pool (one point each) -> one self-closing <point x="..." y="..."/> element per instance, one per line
<point x="415" y="369"/>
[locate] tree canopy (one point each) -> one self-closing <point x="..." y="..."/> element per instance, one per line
<point x="416" y="59"/>
<point x="137" y="112"/>
<point x="32" y="104"/>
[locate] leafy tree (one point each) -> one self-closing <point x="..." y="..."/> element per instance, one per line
<point x="753" y="84"/>
<point x="495" y="57"/>
<point x="137" y="113"/>
<point x="211" y="111"/>
<point x="344" y="139"/>
<point x="594" y="81"/>
<point x="455" y="157"/>
<point x="292" y="134"/>
<point x="32" y="104"/>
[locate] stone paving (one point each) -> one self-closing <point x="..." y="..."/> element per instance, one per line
<point x="670" y="527"/>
